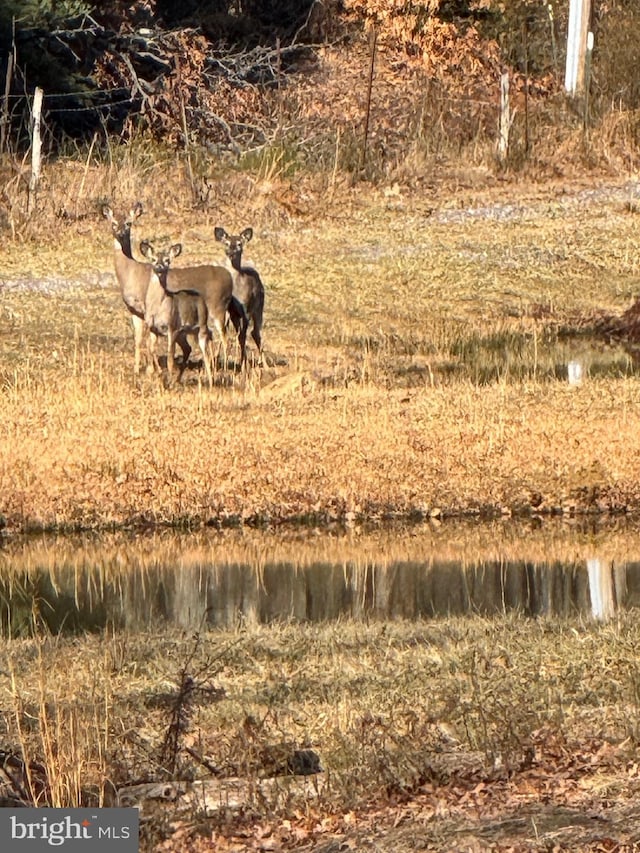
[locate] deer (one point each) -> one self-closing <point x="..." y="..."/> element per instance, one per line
<point x="247" y="284"/>
<point x="150" y="304"/>
<point x="201" y="297"/>
<point x="215" y="284"/>
<point x="140" y="291"/>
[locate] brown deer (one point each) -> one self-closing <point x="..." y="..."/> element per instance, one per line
<point x="215" y="284"/>
<point x="139" y="287"/>
<point x="148" y="303"/>
<point x="247" y="284"/>
<point x="201" y="297"/>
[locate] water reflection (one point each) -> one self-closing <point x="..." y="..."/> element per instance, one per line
<point x="607" y="587"/>
<point x="223" y="579"/>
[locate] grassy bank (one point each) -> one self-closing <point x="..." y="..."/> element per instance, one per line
<point x="416" y="364"/>
<point x="439" y="728"/>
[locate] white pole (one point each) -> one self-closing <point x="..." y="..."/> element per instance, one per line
<point x="572" y="44"/>
<point x="36" y="150"/>
<point x="579" y="14"/>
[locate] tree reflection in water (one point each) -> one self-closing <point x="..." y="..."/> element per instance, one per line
<point x="219" y="579"/>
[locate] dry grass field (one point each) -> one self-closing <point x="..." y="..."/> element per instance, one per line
<point x="456" y="734"/>
<point x="416" y="345"/>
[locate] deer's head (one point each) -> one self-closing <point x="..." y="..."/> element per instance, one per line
<point x="160" y="260"/>
<point x="121" y="226"/>
<point x="233" y="244"/>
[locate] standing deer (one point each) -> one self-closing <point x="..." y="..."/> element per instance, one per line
<point x="201" y="297"/>
<point x="215" y="284"/>
<point x="141" y="291"/>
<point x="148" y="302"/>
<point x="247" y="284"/>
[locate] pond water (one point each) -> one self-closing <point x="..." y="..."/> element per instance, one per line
<point x="128" y="582"/>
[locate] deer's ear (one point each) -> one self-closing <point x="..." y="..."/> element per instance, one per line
<point x="175" y="250"/>
<point x="107" y="212"/>
<point x="246" y="235"/>
<point x="137" y="210"/>
<point x="146" y="249"/>
<point x="219" y="233"/>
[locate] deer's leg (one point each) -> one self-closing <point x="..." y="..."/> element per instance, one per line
<point x="171" y="344"/>
<point x="152" y="345"/>
<point x="257" y="337"/>
<point x="182" y="341"/>
<point x="219" y="324"/>
<point x="204" y="342"/>
<point x="138" y="335"/>
<point x="241" y="324"/>
<point x="256" y="331"/>
<point x="242" y="340"/>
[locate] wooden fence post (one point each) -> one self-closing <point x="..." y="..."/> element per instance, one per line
<point x="525" y="45"/>
<point x="505" y="118"/>
<point x="372" y="65"/>
<point x="552" y="31"/>
<point x="36" y="150"/>
<point x="6" y="118"/>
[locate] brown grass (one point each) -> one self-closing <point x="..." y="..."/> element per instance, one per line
<point x="405" y="714"/>
<point x="416" y="363"/>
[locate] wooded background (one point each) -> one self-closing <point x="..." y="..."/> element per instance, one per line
<point x="217" y="74"/>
